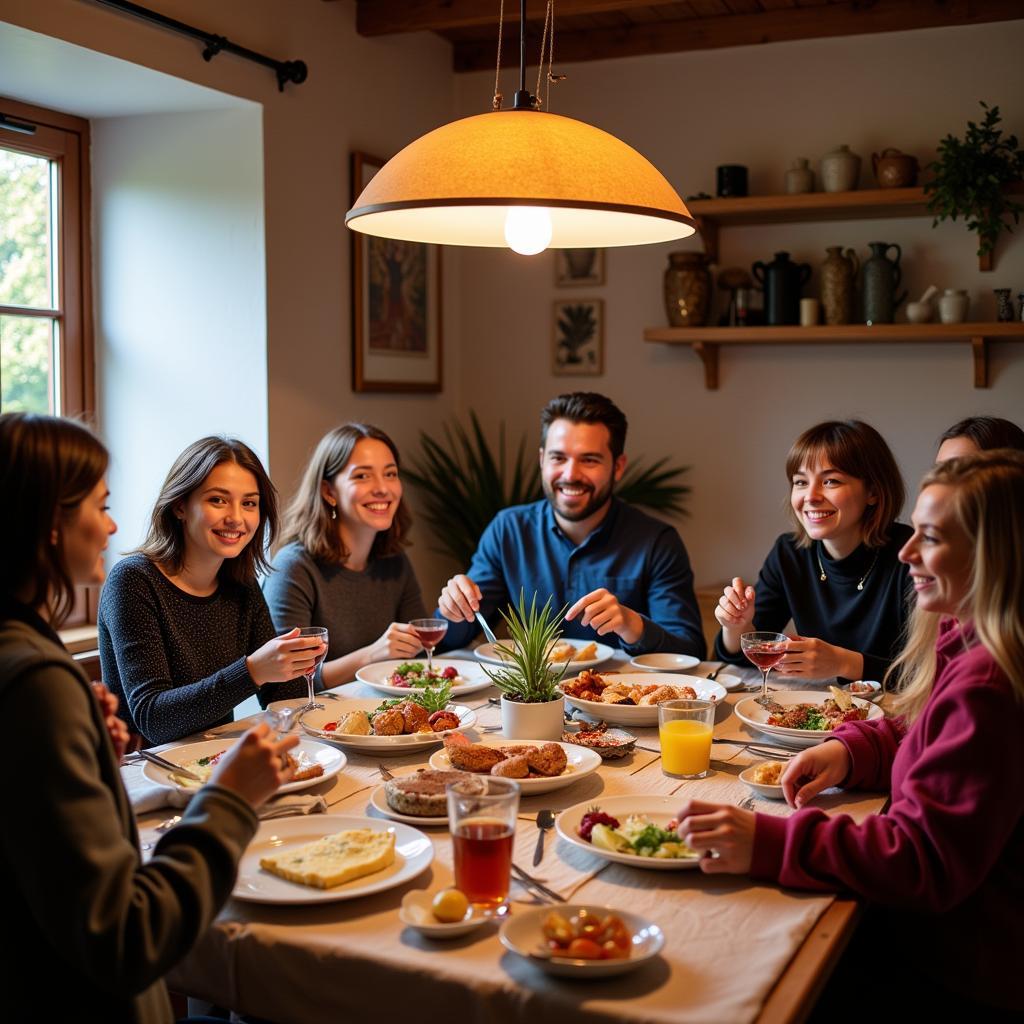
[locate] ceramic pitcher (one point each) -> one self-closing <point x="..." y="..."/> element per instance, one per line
<point x="894" y="169"/>
<point x="782" y="281"/>
<point x="880" y="277"/>
<point x="839" y="284"/>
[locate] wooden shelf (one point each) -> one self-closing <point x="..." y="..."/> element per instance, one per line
<point x="862" y="204"/>
<point x="705" y="341"/>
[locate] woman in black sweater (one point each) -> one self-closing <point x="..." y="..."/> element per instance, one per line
<point x="184" y="631"/>
<point x="836" y="576"/>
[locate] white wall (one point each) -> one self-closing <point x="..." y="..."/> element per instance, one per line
<point x="181" y="341"/>
<point x="761" y="106"/>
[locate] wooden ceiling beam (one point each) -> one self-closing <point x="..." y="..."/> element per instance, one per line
<point x="386" y="17"/>
<point x="854" y="17"/>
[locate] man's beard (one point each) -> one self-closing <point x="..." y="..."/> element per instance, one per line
<point x="597" y="501"/>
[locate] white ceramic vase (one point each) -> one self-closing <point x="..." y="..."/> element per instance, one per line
<point x="840" y="170"/>
<point x="953" y="306"/>
<point x="532" y="721"/>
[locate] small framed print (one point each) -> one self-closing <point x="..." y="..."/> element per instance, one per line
<point x="578" y="338"/>
<point x="396" y="306"/>
<point x="575" y="267"/>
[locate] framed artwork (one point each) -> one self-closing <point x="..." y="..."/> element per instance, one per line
<point x="577" y="347"/>
<point x="396" y="306"/>
<point x="575" y="267"/>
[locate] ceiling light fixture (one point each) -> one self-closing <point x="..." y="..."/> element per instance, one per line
<point x="522" y="178"/>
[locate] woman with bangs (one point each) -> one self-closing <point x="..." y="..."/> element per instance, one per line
<point x="342" y="563"/>
<point x="184" y="632"/>
<point x="942" y="868"/>
<point x="837" y="576"/>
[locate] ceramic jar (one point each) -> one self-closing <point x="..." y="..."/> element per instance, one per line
<point x="840" y="170"/>
<point x="894" y="169"/>
<point x="782" y="281"/>
<point x="799" y="178"/>
<point x="953" y="305"/>
<point x="1004" y="305"/>
<point x="687" y="289"/>
<point x="880" y="277"/>
<point x="839" y="284"/>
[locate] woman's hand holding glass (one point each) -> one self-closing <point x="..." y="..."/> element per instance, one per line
<point x="253" y="767"/>
<point x="814" y="769"/>
<point x="811" y="658"/>
<point x="285" y="657"/>
<point x="399" y="641"/>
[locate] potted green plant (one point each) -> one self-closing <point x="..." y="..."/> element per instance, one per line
<point x="970" y="179"/>
<point x="532" y="706"/>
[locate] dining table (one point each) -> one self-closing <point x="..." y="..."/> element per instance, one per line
<point x="737" y="950"/>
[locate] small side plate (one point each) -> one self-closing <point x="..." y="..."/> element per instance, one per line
<point x="761" y="788"/>
<point x="416" y="913"/>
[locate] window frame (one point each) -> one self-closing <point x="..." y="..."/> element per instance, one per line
<point x="66" y="139"/>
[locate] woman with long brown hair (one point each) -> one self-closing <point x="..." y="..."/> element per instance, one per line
<point x="342" y="563"/>
<point x="184" y="631"/>
<point x="77" y="894"/>
<point x="945" y="859"/>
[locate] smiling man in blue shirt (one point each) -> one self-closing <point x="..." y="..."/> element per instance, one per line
<point x="625" y="575"/>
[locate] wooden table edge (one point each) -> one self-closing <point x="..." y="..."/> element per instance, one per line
<point x="805" y="976"/>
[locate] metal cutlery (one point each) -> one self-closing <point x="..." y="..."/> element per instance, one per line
<point x="713" y="674"/>
<point x="488" y="632"/>
<point x="531" y="882"/>
<point x="385" y="772"/>
<point x="545" y="821"/>
<point x="169" y="766"/>
<point x="757" y="748"/>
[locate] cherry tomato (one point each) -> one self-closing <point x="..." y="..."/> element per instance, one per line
<point x="584" y="949"/>
<point x="613" y="951"/>
<point x="330" y="726"/>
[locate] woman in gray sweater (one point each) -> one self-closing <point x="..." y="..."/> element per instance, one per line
<point x="341" y="564"/>
<point x="77" y="894"/>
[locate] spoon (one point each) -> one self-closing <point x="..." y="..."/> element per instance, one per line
<point x="545" y="820"/>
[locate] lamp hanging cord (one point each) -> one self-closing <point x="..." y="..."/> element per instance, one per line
<point x="497" y="98"/>
<point x="548" y="42"/>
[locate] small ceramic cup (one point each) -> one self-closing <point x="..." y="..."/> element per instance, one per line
<point x="809" y="311"/>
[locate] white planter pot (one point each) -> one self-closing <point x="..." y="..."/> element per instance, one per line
<point x="532" y="721"/>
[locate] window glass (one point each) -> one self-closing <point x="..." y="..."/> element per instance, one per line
<point x="27" y="364"/>
<point x="26" y="231"/>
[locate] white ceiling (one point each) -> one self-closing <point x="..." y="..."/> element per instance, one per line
<point x="53" y="73"/>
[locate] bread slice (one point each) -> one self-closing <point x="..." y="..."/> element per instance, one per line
<point x="334" y="859"/>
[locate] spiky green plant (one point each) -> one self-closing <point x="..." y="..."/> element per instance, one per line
<point x="530" y="677"/>
<point x="463" y="484"/>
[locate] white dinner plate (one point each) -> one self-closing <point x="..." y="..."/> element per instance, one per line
<point x="330" y="757"/>
<point x="522" y="934"/>
<point x="313" y="723"/>
<point x="660" y="809"/>
<point x="581" y="763"/>
<point x="632" y="714"/>
<point x="379" y="802"/>
<point x="413" y="853"/>
<point x="751" y="713"/>
<point x="487" y="652"/>
<point x="378" y="674"/>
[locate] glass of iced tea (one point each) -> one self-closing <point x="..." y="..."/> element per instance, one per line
<point x="684" y="729"/>
<point x="483" y="827"/>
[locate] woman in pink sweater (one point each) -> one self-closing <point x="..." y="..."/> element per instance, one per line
<point x="946" y="860"/>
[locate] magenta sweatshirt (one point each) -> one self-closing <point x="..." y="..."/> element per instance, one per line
<point x="950" y="848"/>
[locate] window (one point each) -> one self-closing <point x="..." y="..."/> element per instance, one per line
<point x="45" y="335"/>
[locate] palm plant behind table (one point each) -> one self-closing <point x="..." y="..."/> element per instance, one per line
<point x="463" y="485"/>
<point x="530" y="677"/>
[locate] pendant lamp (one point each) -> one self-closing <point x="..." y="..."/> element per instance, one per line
<point x="521" y="178"/>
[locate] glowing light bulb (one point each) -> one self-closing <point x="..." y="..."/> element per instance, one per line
<point x="528" y="229"/>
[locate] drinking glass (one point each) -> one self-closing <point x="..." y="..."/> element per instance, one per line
<point x="318" y="633"/>
<point x="430" y="633"/>
<point x="685" y="728"/>
<point x="765" y="650"/>
<point x="483" y="827"/>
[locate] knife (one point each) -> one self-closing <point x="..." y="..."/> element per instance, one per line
<point x="488" y="632"/>
<point x="169" y="766"/>
<point x="532" y="882"/>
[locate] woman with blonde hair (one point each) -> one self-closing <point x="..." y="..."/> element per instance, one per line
<point x="946" y="860"/>
<point x="342" y="563"/>
<point x="78" y="897"/>
<point x="836" y="575"/>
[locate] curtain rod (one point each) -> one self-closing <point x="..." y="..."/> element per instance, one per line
<point x="286" y="70"/>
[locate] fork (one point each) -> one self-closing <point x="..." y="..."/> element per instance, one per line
<point x="385" y="772"/>
<point x="747" y="804"/>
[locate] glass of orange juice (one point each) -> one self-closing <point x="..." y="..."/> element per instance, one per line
<point x="685" y="728"/>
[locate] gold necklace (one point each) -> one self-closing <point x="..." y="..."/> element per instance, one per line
<point x="860" y="582"/>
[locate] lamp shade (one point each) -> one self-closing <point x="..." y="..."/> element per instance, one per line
<point x="456" y="185"/>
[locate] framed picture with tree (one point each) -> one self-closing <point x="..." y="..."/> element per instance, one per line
<point x="396" y="305"/>
<point x="578" y="338"/>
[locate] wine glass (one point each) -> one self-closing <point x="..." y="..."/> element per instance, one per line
<point x="430" y="633"/>
<point x="765" y="650"/>
<point x="319" y="634"/>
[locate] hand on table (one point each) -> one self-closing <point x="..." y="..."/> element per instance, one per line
<point x="254" y="767"/>
<point x="814" y="659"/>
<point x="118" y="731"/>
<point x="722" y="828"/>
<point x="813" y="770"/>
<point x="398" y="641"/>
<point x="285" y="657"/>
<point x="603" y="613"/>
<point x="460" y="599"/>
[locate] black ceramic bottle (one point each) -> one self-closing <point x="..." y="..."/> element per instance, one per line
<point x="782" y="281"/>
<point x="880" y="277"/>
<point x="731" y="180"/>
